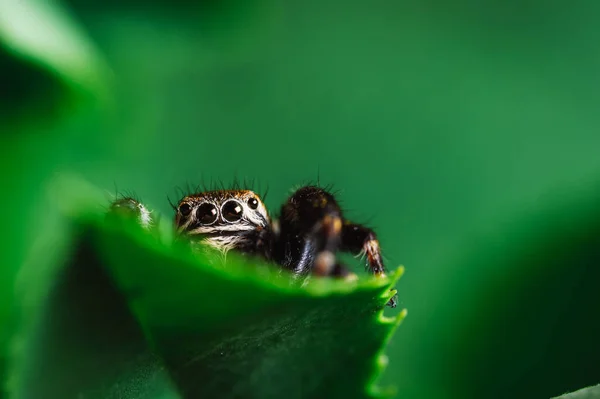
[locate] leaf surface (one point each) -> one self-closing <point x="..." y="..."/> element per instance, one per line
<point x="125" y="314"/>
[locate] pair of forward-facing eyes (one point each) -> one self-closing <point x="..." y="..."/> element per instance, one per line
<point x="207" y="213"/>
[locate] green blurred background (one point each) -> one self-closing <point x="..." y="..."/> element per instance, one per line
<point x="458" y="130"/>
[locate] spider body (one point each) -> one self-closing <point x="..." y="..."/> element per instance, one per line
<point x="310" y="231"/>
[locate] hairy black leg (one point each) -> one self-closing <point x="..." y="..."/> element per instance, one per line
<point x="310" y="232"/>
<point x="359" y="239"/>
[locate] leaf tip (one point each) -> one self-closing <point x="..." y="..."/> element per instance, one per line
<point x="401" y="316"/>
<point x="397" y="274"/>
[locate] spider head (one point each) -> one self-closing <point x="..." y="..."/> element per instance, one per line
<point x="223" y="218"/>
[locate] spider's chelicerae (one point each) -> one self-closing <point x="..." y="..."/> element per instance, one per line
<point x="310" y="231"/>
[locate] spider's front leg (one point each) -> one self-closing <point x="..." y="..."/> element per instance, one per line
<point x="361" y="240"/>
<point x="313" y="229"/>
<point x="310" y="230"/>
<point x="128" y="208"/>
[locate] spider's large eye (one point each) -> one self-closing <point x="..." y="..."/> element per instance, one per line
<point x="206" y="213"/>
<point x="253" y="203"/>
<point x="232" y="211"/>
<point x="185" y="209"/>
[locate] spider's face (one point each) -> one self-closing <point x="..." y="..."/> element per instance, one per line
<point x="224" y="218"/>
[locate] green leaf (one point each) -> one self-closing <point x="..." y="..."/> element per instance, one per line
<point x="585" y="393"/>
<point x="532" y="321"/>
<point x="123" y="313"/>
<point x="45" y="59"/>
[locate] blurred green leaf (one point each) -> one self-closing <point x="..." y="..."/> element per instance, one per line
<point x="438" y="124"/>
<point x="535" y="318"/>
<point x="44" y="58"/>
<point x="114" y="312"/>
<point x="585" y="393"/>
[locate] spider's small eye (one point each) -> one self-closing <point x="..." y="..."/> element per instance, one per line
<point x="253" y="203"/>
<point x="185" y="209"/>
<point x="206" y="214"/>
<point x="232" y="211"/>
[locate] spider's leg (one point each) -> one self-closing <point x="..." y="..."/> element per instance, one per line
<point x="310" y="232"/>
<point x="359" y="240"/>
<point x="128" y="208"/>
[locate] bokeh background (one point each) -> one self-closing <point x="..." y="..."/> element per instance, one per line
<point x="466" y="133"/>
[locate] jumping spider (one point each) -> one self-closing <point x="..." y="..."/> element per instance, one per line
<point x="305" y="240"/>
